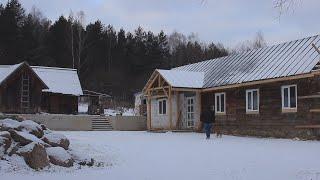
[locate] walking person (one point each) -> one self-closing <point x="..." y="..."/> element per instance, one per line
<point x="207" y="117"/>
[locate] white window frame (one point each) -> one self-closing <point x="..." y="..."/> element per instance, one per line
<point x="216" y="103"/>
<point x="162" y="100"/>
<point x="258" y="101"/>
<point x="289" y="109"/>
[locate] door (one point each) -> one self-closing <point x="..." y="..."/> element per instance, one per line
<point x="190" y="112"/>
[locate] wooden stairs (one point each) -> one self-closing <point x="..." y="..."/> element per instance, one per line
<point x="101" y="123"/>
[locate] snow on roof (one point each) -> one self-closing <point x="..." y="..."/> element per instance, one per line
<point x="186" y="79"/>
<point x="6" y="70"/>
<point x="59" y="80"/>
<point x="282" y="60"/>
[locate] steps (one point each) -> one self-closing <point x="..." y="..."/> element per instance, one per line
<point x="101" y="123"/>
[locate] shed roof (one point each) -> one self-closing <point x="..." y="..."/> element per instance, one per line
<point x="6" y="70"/>
<point x="281" y="60"/>
<point x="60" y="80"/>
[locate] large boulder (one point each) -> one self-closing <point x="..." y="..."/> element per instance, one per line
<point x="25" y="138"/>
<point x="56" y="140"/>
<point x="5" y="134"/>
<point x="31" y="127"/>
<point x="35" y="155"/>
<point x="5" y="143"/>
<point x="7" y="124"/>
<point x="13" y="148"/>
<point x="59" y="156"/>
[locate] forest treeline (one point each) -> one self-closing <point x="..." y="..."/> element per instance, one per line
<point x="117" y="62"/>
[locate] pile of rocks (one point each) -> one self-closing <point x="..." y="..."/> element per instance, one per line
<point x="38" y="145"/>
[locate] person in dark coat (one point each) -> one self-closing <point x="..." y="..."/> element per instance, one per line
<point x="207" y="117"/>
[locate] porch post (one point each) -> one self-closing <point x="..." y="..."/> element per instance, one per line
<point x="170" y="107"/>
<point x="149" y="111"/>
<point x="200" y="109"/>
<point x="178" y="110"/>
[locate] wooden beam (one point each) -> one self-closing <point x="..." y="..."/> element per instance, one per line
<point x="165" y="92"/>
<point x="315" y="110"/>
<point x="311" y="126"/>
<point x="149" y="125"/>
<point x="301" y="76"/>
<point x="170" y="107"/>
<point x="159" y="96"/>
<point x="200" y="110"/>
<point x="186" y="89"/>
<point x="178" y="109"/>
<point x="159" y="88"/>
<point x="152" y="81"/>
<point x="309" y="96"/>
<point x="159" y="81"/>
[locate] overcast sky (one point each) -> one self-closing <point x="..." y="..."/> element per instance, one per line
<point x="225" y="21"/>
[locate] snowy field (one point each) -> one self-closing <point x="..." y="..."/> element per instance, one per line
<point x="161" y="156"/>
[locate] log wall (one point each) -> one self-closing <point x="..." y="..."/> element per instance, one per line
<point x="270" y="121"/>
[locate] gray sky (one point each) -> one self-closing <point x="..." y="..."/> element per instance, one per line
<point x="225" y="21"/>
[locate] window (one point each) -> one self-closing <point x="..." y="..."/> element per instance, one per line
<point x="289" y="97"/>
<point x="190" y="111"/>
<point x="252" y="100"/>
<point x="162" y="106"/>
<point x="220" y="102"/>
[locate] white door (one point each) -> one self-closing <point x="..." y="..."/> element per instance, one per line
<point x="190" y="112"/>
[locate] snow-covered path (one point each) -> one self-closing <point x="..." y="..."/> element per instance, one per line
<point x="144" y="156"/>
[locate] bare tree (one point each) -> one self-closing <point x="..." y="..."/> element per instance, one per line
<point x="257" y="42"/>
<point x="71" y="20"/>
<point x="176" y="39"/>
<point x="284" y="5"/>
<point x="80" y="22"/>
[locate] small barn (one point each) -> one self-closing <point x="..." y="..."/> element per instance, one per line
<point x="20" y="89"/>
<point x="33" y="89"/>
<point x="271" y="91"/>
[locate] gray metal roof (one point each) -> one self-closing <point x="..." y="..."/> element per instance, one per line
<point x="281" y="60"/>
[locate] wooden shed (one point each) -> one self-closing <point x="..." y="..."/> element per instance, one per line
<point x="20" y="89"/>
<point x="63" y="91"/>
<point x="271" y="91"/>
<point x="32" y="89"/>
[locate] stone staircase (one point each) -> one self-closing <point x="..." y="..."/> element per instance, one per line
<point x="101" y="123"/>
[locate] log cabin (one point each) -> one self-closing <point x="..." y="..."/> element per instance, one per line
<point x="35" y="89"/>
<point x="270" y="91"/>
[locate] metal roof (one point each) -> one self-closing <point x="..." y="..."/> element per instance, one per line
<point x="281" y="60"/>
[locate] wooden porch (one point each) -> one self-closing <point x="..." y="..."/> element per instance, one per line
<point x="159" y="88"/>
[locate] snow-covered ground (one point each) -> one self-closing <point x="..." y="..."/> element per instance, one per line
<point x="158" y="156"/>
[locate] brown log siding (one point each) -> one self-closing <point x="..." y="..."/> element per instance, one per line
<point x="59" y="103"/>
<point x="270" y="121"/>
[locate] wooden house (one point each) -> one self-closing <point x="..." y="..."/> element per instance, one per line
<point x="271" y="91"/>
<point x="20" y="89"/>
<point x="32" y="89"/>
